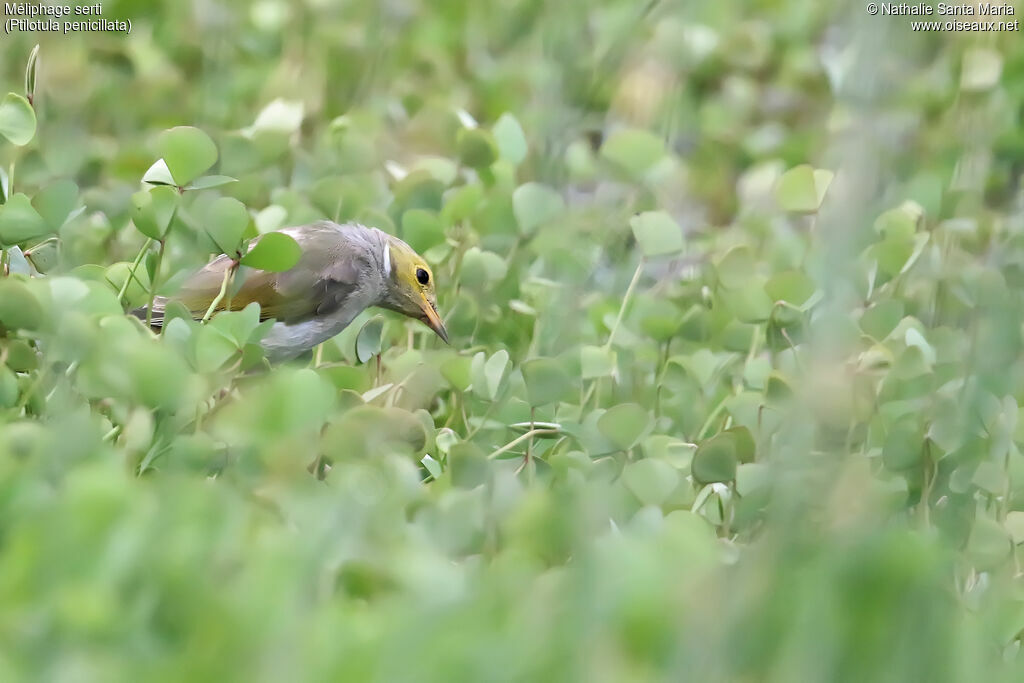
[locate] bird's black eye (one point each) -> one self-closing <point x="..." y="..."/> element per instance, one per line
<point x="422" y="276"/>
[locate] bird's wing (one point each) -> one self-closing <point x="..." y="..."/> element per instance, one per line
<point x="329" y="271"/>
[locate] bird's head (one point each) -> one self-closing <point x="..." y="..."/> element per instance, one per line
<point x="410" y="285"/>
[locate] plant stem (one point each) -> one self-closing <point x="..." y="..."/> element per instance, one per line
<point x="529" y="444"/>
<point x="625" y="302"/>
<point x="711" y="417"/>
<point x="518" y="440"/>
<point x="131" y="271"/>
<point x="223" y="290"/>
<point x="153" y="282"/>
<point x="618" y="321"/>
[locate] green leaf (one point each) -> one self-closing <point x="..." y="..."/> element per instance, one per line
<point x="55" y="202"/>
<point x="715" y="459"/>
<point x="480" y="268"/>
<point x="802" y="189"/>
<point x="633" y="150"/>
<point x="989" y="544"/>
<point x="882" y="318"/>
<point x="657" y="233"/>
<point x="432" y="466"/>
<point x="494" y="371"/>
<point x="900" y="223"/>
<point x="624" y="425"/>
<point x="19" y="221"/>
<point x="19" y="308"/>
<point x="476" y="148"/>
<point x="17" y="119"/>
<point x="510" y="139"/>
<point x="31" y="73"/>
<point x="213" y="348"/>
<point x="534" y="204"/>
<point x="651" y="481"/>
<point x="368" y="341"/>
<point x="154" y="209"/>
<point x="226" y="221"/>
<point x="735" y="267"/>
<point x="157" y="174"/>
<point x="457" y="370"/>
<point x="791" y="286"/>
<point x="8" y="388"/>
<point x="44" y="256"/>
<point x="488" y="374"/>
<point x="207" y="181"/>
<point x="238" y="325"/>
<point x="187" y="151"/>
<point x="595" y="361"/>
<point x="546" y="381"/>
<point x="422" y="229"/>
<point x="1015" y="525"/>
<point x="904" y="445"/>
<point x="280" y="116"/>
<point x="275" y="252"/>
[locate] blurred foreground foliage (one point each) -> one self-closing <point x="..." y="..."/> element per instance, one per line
<point x="733" y="390"/>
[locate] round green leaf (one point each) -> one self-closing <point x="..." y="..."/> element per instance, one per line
<point x="535" y="204"/>
<point x="510" y="139"/>
<point x="422" y="229"/>
<point x="651" y="480"/>
<point x="595" y="361"/>
<point x="635" y="151"/>
<point x="19" y="221"/>
<point x="476" y="148"/>
<point x="802" y="189"/>
<point x="275" y="252"/>
<point x="55" y="202"/>
<point x="188" y="153"/>
<point x="226" y="222"/>
<point x="19" y="309"/>
<point x="546" y="381"/>
<point x="479" y="268"/>
<point x="488" y="373"/>
<point x="17" y="119"/>
<point x="735" y="267"/>
<point x="154" y="209"/>
<point x="882" y="318"/>
<point x="45" y="255"/>
<point x="368" y="340"/>
<point x="904" y="445"/>
<point x="657" y="233"/>
<point x="791" y="286"/>
<point x="715" y="459"/>
<point x="624" y="425"/>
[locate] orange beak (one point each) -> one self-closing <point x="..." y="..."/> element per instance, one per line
<point x="433" y="320"/>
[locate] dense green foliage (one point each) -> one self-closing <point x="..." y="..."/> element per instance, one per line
<point x="734" y="297"/>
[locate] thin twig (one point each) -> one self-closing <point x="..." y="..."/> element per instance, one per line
<point x="223" y="290"/>
<point x="131" y="271"/>
<point x="518" y="440"/>
<point x="153" y="283"/>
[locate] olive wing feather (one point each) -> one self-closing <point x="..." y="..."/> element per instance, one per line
<point x="329" y="271"/>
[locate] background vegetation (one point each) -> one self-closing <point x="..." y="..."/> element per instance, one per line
<point x="732" y="394"/>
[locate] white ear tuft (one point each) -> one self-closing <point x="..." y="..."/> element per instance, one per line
<point x="387" y="259"/>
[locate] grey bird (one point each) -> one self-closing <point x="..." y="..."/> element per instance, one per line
<point x="343" y="270"/>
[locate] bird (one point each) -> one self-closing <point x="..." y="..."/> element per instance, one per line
<point x="343" y="270"/>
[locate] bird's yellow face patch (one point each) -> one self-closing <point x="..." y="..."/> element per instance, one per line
<point x="414" y="285"/>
